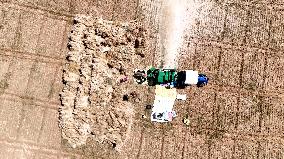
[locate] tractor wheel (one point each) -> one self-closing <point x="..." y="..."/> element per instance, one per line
<point x="201" y="85"/>
<point x="180" y="85"/>
<point x="139" y="76"/>
<point x="151" y="82"/>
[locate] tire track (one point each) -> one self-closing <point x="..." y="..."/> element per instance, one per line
<point x="172" y="26"/>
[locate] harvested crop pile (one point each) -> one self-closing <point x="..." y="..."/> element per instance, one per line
<point x="97" y="101"/>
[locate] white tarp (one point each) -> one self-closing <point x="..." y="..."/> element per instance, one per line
<point x="162" y="110"/>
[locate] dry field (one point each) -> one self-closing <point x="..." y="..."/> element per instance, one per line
<point x="238" y="43"/>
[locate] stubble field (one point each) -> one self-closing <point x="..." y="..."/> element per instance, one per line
<point x="238" y="44"/>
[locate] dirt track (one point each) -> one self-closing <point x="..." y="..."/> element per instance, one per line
<point x="239" y="114"/>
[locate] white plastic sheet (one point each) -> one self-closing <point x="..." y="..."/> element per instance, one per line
<point x="162" y="110"/>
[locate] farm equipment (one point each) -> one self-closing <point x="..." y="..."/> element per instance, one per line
<point x="170" y="77"/>
<point x="162" y="109"/>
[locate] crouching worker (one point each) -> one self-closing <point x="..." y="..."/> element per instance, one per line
<point x="202" y="80"/>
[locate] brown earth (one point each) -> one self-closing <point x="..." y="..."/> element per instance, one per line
<point x="237" y="43"/>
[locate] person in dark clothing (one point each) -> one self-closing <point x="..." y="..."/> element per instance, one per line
<point x="202" y="80"/>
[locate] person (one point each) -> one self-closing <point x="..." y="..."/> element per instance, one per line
<point x="149" y="106"/>
<point x="124" y="79"/>
<point x="202" y="80"/>
<point x="173" y="84"/>
<point x="186" y="120"/>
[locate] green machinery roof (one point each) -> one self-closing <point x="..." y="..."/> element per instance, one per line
<point x="162" y="76"/>
<point x="166" y="76"/>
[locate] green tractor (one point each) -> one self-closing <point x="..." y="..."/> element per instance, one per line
<point x="170" y="77"/>
<point x="157" y="76"/>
